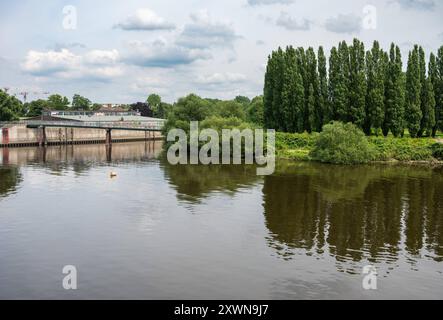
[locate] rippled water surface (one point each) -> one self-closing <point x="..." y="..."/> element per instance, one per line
<point x="188" y="232"/>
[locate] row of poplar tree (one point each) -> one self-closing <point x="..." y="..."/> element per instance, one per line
<point x="367" y="88"/>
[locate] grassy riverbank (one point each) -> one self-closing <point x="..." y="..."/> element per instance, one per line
<point x="294" y="146"/>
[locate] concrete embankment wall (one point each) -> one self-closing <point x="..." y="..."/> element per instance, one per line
<point x="19" y="135"/>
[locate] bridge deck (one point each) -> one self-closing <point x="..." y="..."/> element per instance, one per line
<point x="149" y="126"/>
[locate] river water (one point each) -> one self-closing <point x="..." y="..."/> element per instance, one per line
<point x="158" y="231"/>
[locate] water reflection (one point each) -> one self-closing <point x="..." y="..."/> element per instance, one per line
<point x="355" y="213"/>
<point x="195" y="182"/>
<point x="10" y="179"/>
<point x="80" y="158"/>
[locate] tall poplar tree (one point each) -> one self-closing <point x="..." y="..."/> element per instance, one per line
<point x="314" y="118"/>
<point x="343" y="53"/>
<point x="424" y="107"/>
<point x="437" y="79"/>
<point x="268" y="91"/>
<point x="326" y="112"/>
<point x="394" y="94"/>
<point x="413" y="93"/>
<point x="375" y="109"/>
<point x="357" y="83"/>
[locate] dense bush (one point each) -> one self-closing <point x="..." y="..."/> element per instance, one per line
<point x="401" y="149"/>
<point x="341" y="143"/>
<point x="437" y="151"/>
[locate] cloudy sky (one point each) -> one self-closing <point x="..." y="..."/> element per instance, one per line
<point x="121" y="51"/>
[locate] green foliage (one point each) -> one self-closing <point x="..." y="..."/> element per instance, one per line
<point x="413" y="91"/>
<point x="242" y="100"/>
<point x="255" y="111"/>
<point x="394" y="94"/>
<point x="357" y="84"/>
<point x="10" y="107"/>
<point x="57" y="102"/>
<point x="80" y="103"/>
<point x="230" y="109"/>
<point x="96" y="106"/>
<point x="36" y="107"/>
<point x="436" y="76"/>
<point x="437" y="151"/>
<point x="325" y="113"/>
<point x="340" y="143"/>
<point x="401" y="149"/>
<point x="375" y="100"/>
<point x="159" y="108"/>
<point x="368" y="89"/>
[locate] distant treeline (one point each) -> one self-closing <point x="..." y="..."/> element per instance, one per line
<point x="367" y="88"/>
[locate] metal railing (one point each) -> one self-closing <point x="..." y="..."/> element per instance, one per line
<point x="142" y="125"/>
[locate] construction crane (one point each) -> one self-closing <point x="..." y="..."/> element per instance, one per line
<point x="25" y="94"/>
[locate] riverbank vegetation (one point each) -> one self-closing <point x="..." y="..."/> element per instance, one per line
<point x="344" y="144"/>
<point x="367" y="88"/>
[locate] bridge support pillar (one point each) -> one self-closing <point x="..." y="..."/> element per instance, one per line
<point x="42" y="137"/>
<point x="108" y="137"/>
<point x="5" y="156"/>
<point x="5" y="136"/>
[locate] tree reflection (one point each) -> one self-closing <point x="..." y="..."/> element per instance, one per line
<point x="355" y="213"/>
<point x="10" y="179"/>
<point x="195" y="182"/>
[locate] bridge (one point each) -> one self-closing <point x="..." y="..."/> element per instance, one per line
<point x="152" y="125"/>
<point x="146" y="126"/>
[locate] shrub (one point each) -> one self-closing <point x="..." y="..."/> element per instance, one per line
<point x="341" y="143"/>
<point x="401" y="149"/>
<point x="437" y="151"/>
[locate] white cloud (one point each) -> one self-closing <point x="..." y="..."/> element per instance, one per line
<point x="417" y="4"/>
<point x="145" y="19"/>
<point x="288" y="22"/>
<point x="96" y="64"/>
<point x="269" y="2"/>
<point x="344" y="23"/>
<point x="221" y="78"/>
<point x="162" y="54"/>
<point x="202" y="32"/>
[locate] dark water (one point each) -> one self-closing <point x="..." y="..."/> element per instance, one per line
<point x="185" y="232"/>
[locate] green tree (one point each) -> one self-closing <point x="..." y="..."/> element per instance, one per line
<point x="10" y="107"/>
<point x="413" y="93"/>
<point x="255" y="111"/>
<point x="186" y="109"/>
<point x="428" y="119"/>
<point x="230" y="109"/>
<point x="96" y="106"/>
<point x="36" y="107"/>
<point x="436" y="75"/>
<point x="80" y="103"/>
<point x="425" y="108"/>
<point x="58" y="102"/>
<point x="375" y="109"/>
<point x="326" y="112"/>
<point x="357" y="83"/>
<point x="245" y="101"/>
<point x="268" y="91"/>
<point x="155" y="103"/>
<point x="394" y="94"/>
<point x="314" y="111"/>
